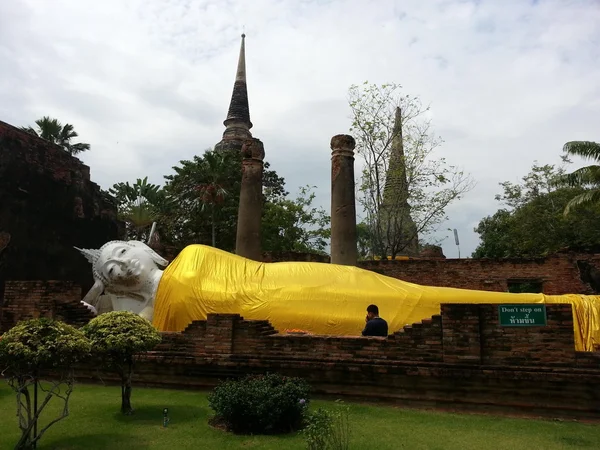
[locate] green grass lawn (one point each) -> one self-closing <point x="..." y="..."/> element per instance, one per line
<point x="95" y="423"/>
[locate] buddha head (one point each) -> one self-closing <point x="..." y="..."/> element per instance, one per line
<point x="122" y="268"/>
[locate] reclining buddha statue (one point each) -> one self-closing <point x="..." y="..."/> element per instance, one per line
<point x="316" y="297"/>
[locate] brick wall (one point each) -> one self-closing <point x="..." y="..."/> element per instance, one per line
<point x="560" y="273"/>
<point x="295" y="256"/>
<point x="461" y="358"/>
<point x="461" y="334"/>
<point x="48" y="205"/>
<point x="516" y="346"/>
<point x="32" y="299"/>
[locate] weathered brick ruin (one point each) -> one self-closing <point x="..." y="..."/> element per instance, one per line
<point x="58" y="300"/>
<point x="343" y="202"/>
<point x="47" y="205"/>
<point x="237" y="124"/>
<point x="561" y="273"/>
<point x="461" y="358"/>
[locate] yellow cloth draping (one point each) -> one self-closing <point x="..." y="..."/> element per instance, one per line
<point x="322" y="298"/>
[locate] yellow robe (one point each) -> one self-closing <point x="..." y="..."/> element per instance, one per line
<point x="322" y="298"/>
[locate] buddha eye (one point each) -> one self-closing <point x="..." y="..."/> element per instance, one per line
<point x="111" y="270"/>
<point x="123" y="251"/>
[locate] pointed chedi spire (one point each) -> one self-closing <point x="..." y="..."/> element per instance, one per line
<point x="237" y="124"/>
<point x="395" y="208"/>
<point x="238" y="107"/>
<point x="395" y="182"/>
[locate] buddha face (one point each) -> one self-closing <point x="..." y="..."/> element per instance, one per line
<point x="125" y="267"/>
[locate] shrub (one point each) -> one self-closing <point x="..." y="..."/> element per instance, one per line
<point x="340" y="430"/>
<point x="328" y="430"/>
<point x="261" y="404"/>
<point x="116" y="337"/>
<point x="318" y="429"/>
<point x="28" y="352"/>
<point x="40" y="344"/>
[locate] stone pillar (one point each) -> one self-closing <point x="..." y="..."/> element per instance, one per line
<point x="343" y="207"/>
<point x="247" y="241"/>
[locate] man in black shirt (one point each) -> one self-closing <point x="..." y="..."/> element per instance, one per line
<point x="375" y="326"/>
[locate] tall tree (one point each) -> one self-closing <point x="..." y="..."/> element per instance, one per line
<point x="199" y="204"/>
<point x="213" y="190"/>
<point x="139" y="205"/>
<point x="531" y="222"/>
<point x="428" y="184"/>
<point x="52" y="130"/>
<point x="295" y="224"/>
<point x="587" y="177"/>
<point x="201" y="209"/>
<point x="204" y="196"/>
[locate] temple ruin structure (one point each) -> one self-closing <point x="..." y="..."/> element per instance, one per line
<point x="343" y="202"/>
<point x="237" y="138"/>
<point x="248" y="242"/>
<point x="400" y="231"/>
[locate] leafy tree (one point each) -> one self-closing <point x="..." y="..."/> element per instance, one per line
<point x="204" y="199"/>
<point x="199" y="204"/>
<point x="587" y="177"/>
<point x="116" y="337"/>
<point x="27" y="352"/>
<point x="295" y="225"/>
<point x="139" y="205"/>
<point x="212" y="192"/>
<point x="54" y="131"/>
<point x="363" y="241"/>
<point x="204" y="196"/>
<point x="424" y="186"/>
<point x="531" y="222"/>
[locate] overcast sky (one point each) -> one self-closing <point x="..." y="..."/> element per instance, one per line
<point x="147" y="83"/>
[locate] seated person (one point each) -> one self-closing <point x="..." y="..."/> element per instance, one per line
<point x="376" y="326"/>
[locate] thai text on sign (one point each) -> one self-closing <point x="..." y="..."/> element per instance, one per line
<point x="522" y="315"/>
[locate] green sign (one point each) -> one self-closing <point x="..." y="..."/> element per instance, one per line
<point x="522" y="315"/>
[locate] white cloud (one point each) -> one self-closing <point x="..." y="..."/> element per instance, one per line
<point x="147" y="83"/>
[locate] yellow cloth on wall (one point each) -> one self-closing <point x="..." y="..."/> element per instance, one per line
<point x="322" y="298"/>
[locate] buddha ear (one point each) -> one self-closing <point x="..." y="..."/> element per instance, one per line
<point x="91" y="255"/>
<point x="159" y="260"/>
<point x="94" y="293"/>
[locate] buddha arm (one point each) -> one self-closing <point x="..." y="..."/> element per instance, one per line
<point x="147" y="313"/>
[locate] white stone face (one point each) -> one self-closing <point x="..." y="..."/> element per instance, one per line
<point x="128" y="273"/>
<point x="126" y="268"/>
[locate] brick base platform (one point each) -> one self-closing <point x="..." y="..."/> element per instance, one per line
<point x="460" y="359"/>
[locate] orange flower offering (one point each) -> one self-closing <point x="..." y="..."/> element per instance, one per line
<point x="296" y="331"/>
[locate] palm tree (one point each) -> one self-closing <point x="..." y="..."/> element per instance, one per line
<point x="52" y="130"/>
<point x="212" y="192"/>
<point x="138" y="204"/>
<point x="587" y="177"/>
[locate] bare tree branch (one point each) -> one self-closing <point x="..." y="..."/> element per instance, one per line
<point x="424" y="185"/>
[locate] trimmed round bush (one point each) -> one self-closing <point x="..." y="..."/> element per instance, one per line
<point x="38" y="344"/>
<point x="116" y="338"/>
<point x="36" y="350"/>
<point x="120" y="334"/>
<point x="261" y="404"/>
